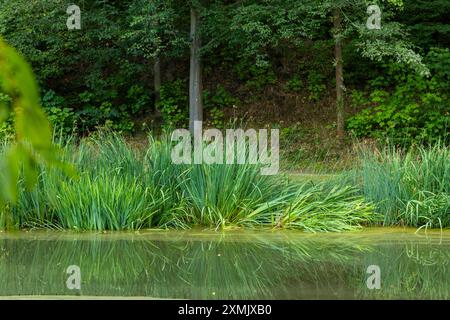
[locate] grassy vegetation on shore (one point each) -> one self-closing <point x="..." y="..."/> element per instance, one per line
<point x="119" y="188"/>
<point x="409" y="187"/>
<point x="124" y="188"/>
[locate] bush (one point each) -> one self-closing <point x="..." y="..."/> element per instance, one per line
<point x="174" y="104"/>
<point x="138" y="99"/>
<point x="216" y="103"/>
<point x="295" y="84"/>
<point x="256" y="77"/>
<point x="96" y="114"/>
<point x="62" y="118"/>
<point x="316" y="86"/>
<point x="6" y="126"/>
<point x="416" y="109"/>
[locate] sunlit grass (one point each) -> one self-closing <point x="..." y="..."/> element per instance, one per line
<point x="408" y="187"/>
<point x="119" y="188"/>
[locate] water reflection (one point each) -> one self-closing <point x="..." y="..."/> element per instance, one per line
<point x="235" y="265"/>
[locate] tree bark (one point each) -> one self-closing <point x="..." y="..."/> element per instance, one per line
<point x="339" y="75"/>
<point x="195" y="77"/>
<point x="157" y="85"/>
<point x="157" y="78"/>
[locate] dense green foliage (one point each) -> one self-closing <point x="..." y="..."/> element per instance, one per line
<point x="427" y="21"/>
<point x="101" y="75"/>
<point x="271" y="55"/>
<point x="173" y="103"/>
<point x="84" y="72"/>
<point x="174" y="99"/>
<point x="405" y="106"/>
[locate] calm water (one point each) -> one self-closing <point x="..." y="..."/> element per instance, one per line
<point x="231" y="265"/>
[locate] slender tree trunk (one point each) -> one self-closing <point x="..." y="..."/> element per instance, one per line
<point x="195" y="78"/>
<point x="339" y="75"/>
<point x="157" y="85"/>
<point x="157" y="78"/>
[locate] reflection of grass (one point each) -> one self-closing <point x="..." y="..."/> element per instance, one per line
<point x="418" y="271"/>
<point x="172" y="269"/>
<point x="122" y="189"/>
<point x="228" y="266"/>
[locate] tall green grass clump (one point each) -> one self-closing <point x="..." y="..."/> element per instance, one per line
<point x="409" y="187"/>
<point x="237" y="195"/>
<point x="107" y="194"/>
<point x="121" y="188"/>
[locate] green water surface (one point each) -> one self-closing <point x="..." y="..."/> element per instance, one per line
<point x="227" y="265"/>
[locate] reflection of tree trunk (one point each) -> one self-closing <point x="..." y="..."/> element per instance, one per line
<point x="195" y="78"/>
<point x="157" y="84"/>
<point x="339" y="74"/>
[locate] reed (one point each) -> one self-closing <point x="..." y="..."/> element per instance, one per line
<point x="408" y="187"/>
<point x="120" y="188"/>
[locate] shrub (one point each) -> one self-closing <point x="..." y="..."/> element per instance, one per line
<point x="137" y="99"/>
<point x="96" y="114"/>
<point x="174" y="103"/>
<point x="6" y="126"/>
<point x="256" y="76"/>
<point x="215" y="104"/>
<point x="295" y="84"/>
<point x="62" y="118"/>
<point x="416" y="109"/>
<point x="316" y="86"/>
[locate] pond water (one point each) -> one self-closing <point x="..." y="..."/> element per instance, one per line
<point x="228" y="265"/>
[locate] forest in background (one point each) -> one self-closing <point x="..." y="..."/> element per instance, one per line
<point x="265" y="63"/>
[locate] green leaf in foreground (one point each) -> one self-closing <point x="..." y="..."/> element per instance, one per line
<point x="33" y="141"/>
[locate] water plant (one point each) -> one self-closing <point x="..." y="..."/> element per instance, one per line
<point x="409" y="187"/>
<point x="121" y="188"/>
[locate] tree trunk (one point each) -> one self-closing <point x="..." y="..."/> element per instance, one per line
<point x="157" y="85"/>
<point x="339" y="74"/>
<point x="195" y="78"/>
